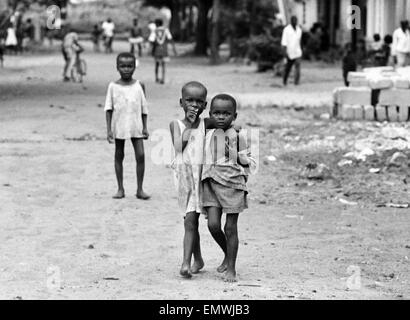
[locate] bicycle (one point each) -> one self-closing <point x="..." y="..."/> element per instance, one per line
<point x="80" y="68"/>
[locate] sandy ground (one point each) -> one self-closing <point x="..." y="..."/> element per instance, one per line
<point x="63" y="237"/>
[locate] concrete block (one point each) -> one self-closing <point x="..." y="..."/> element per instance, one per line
<point x="369" y="113"/>
<point x="393" y="113"/>
<point x="378" y="82"/>
<point x="356" y="75"/>
<point x="403" y="113"/>
<point x="404" y="71"/>
<point x="381" y="113"/>
<point x="353" y="96"/>
<point x="347" y="112"/>
<point x="396" y="97"/>
<point x="358" y="83"/>
<point x="378" y="69"/>
<point x="358" y="112"/>
<point x="401" y="82"/>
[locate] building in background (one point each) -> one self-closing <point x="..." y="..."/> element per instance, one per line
<point x="377" y="16"/>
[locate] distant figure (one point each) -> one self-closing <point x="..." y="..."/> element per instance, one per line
<point x="160" y="40"/>
<point x="291" y="42"/>
<point x="152" y="27"/>
<point x="95" y="37"/>
<point x="136" y="38"/>
<point x="11" y="39"/>
<point x="108" y="32"/>
<point x="377" y="43"/>
<point x="313" y="46"/>
<point x="383" y="58"/>
<point x="349" y="63"/>
<point x="401" y="44"/>
<point x="1" y="52"/>
<point x="361" y="53"/>
<point x="70" y="46"/>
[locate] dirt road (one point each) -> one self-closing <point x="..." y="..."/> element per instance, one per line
<point x="63" y="237"/>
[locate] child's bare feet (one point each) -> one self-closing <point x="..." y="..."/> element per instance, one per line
<point x="230" y="276"/>
<point x="185" y="271"/>
<point x="223" y="267"/>
<point x="197" y="266"/>
<point x="142" y="195"/>
<point x="119" y="195"/>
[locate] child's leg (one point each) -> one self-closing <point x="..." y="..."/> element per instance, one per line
<point x="119" y="158"/>
<point x="140" y="50"/>
<point x="231" y="232"/>
<point x="191" y="224"/>
<point x="214" y="226"/>
<point x="138" y="145"/>
<point x="198" y="261"/>
<point x="163" y="71"/>
<point x="156" y="71"/>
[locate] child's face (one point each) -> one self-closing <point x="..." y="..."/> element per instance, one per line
<point x="193" y="102"/>
<point x="223" y="113"/>
<point x="126" y="68"/>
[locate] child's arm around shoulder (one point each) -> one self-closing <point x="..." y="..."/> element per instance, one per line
<point x="245" y="158"/>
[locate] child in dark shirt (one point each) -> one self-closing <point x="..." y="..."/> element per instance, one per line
<point x="349" y="62"/>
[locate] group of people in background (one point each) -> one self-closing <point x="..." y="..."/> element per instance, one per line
<point x="391" y="51"/>
<point x="159" y="37"/>
<point x="16" y="34"/>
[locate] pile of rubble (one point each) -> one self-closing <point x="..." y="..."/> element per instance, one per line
<point x="381" y="93"/>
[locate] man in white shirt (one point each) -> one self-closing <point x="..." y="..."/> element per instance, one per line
<point x="291" y="42"/>
<point x="108" y="33"/>
<point x="401" y="45"/>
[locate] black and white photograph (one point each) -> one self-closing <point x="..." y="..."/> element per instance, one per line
<point x="205" y="150"/>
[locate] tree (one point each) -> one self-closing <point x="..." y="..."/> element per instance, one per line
<point x="202" y="42"/>
<point x="215" y="33"/>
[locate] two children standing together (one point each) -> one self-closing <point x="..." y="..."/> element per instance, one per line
<point x="211" y="164"/>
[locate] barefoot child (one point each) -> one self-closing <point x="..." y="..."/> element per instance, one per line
<point x="224" y="177"/>
<point x="188" y="137"/>
<point x="126" y="115"/>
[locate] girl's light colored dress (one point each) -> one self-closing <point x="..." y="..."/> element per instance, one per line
<point x="128" y="104"/>
<point x="187" y="167"/>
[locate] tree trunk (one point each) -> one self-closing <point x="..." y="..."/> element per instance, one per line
<point x="202" y="28"/>
<point x="216" y="14"/>
<point x="190" y="26"/>
<point x="175" y="20"/>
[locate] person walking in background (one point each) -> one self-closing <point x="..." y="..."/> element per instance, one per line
<point x="108" y="28"/>
<point x="95" y="37"/>
<point x="401" y="45"/>
<point x="136" y="38"/>
<point x="291" y="42"/>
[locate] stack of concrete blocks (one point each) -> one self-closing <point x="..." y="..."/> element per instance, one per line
<point x="353" y="103"/>
<point x="381" y="94"/>
<point x="394" y="103"/>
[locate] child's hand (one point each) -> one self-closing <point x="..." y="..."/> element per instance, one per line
<point x="145" y="133"/>
<point x="192" y="116"/>
<point x="110" y="137"/>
